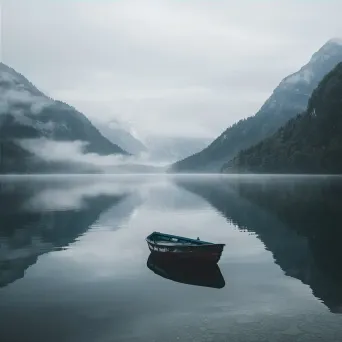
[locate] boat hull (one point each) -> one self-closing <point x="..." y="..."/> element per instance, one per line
<point x="205" y="253"/>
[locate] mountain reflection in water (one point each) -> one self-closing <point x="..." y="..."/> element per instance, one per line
<point x="297" y="218"/>
<point x="73" y="259"/>
<point x="38" y="217"/>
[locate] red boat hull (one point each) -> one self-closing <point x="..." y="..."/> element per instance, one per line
<point x="208" y="253"/>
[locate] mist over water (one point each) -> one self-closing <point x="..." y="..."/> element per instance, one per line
<point x="74" y="264"/>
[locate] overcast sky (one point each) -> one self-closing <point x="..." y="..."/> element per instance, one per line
<point x="174" y="67"/>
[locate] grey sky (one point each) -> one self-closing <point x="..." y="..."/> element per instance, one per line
<point x="175" y="67"/>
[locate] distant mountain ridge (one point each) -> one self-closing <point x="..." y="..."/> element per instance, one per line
<point x="26" y="113"/>
<point x="170" y="149"/>
<point x="309" y="143"/>
<point x="287" y="100"/>
<point x="119" y="135"/>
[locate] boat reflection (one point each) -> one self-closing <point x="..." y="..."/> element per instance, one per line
<point x="191" y="272"/>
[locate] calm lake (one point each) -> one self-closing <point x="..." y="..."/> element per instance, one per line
<point x="74" y="264"/>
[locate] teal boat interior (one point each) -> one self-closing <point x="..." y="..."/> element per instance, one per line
<point x="166" y="239"/>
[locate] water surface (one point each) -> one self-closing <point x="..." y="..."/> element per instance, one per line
<point x="74" y="261"/>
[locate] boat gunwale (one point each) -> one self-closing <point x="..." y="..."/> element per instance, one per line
<point x="192" y="242"/>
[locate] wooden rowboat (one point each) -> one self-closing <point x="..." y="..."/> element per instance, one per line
<point x="187" y="272"/>
<point x="172" y="246"/>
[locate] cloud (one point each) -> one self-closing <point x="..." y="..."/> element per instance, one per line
<point x="14" y="95"/>
<point x="73" y="153"/>
<point x="11" y="99"/>
<point x="187" y="68"/>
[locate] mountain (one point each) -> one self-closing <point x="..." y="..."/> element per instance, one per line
<point x="26" y="113"/>
<point x="309" y="143"/>
<point x="118" y="134"/>
<point x="287" y="100"/>
<point x="171" y="149"/>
